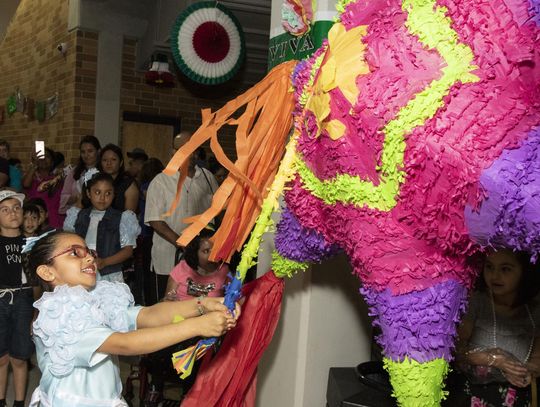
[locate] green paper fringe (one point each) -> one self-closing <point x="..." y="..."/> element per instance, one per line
<point x="418" y="384"/>
<point x="283" y="267"/>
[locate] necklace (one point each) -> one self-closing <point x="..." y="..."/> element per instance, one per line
<point x="495" y="327"/>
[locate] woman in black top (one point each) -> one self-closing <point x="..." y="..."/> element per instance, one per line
<point x="126" y="191"/>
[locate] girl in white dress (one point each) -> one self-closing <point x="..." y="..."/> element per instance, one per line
<point x="82" y="325"/>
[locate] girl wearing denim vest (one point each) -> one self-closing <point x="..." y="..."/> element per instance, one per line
<point x="108" y="231"/>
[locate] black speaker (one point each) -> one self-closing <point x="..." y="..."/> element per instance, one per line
<point x="366" y="385"/>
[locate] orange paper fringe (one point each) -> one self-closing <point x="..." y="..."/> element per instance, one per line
<point x="261" y="135"/>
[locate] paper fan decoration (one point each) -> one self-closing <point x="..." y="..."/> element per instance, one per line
<point x="208" y="43"/>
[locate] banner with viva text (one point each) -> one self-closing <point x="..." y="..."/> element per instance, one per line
<point x="286" y="47"/>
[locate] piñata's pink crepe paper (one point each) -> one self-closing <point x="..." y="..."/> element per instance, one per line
<point x="424" y="240"/>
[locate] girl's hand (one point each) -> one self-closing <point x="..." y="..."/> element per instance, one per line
<point x="35" y="157"/>
<point x="211" y="304"/>
<point x="215" y="323"/>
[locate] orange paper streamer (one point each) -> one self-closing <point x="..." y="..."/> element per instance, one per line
<point x="261" y="135"/>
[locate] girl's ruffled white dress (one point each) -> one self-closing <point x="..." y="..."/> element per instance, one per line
<point x="71" y="325"/>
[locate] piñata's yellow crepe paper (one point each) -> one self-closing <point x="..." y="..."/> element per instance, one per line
<point x="347" y="51"/>
<point x="335" y="128"/>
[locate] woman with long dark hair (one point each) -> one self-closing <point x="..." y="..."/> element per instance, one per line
<point x="498" y="348"/>
<point x="111" y="161"/>
<point x="89" y="148"/>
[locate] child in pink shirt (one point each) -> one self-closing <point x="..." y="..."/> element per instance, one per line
<point x="195" y="275"/>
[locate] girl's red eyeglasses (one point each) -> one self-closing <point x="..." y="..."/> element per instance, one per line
<point x="80" y="251"/>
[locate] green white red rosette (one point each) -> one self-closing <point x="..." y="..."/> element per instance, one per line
<point x="207" y="43"/>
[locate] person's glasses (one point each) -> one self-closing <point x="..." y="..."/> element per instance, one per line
<point x="80" y="251"/>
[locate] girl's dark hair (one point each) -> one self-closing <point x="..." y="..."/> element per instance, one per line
<point x="529" y="286"/>
<point x="150" y="169"/>
<point x="77" y="172"/>
<point x="100" y="176"/>
<point x="30" y="208"/>
<point x="40" y="202"/>
<point x="116" y="150"/>
<point x="59" y="159"/>
<point x="190" y="253"/>
<point x="214" y="165"/>
<point x="50" y="153"/>
<point x="39" y="255"/>
<point x="200" y="153"/>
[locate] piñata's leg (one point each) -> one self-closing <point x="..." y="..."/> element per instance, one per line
<point x="417" y="336"/>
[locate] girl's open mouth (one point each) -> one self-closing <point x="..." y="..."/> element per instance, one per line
<point x="89" y="270"/>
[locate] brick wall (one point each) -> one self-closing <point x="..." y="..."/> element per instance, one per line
<point x="84" y="97"/>
<point x="31" y="62"/>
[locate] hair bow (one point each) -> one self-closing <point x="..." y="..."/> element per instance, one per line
<point x="88" y="175"/>
<point x="31" y="241"/>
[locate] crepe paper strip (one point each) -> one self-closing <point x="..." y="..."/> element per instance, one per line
<point x="270" y="204"/>
<point x="260" y="146"/>
<point x="509" y="215"/>
<point x="184" y="360"/>
<point x="177" y="319"/>
<point x="284" y="267"/>
<point x="304" y="82"/>
<point x="427" y="21"/>
<point x="417" y="384"/>
<point x="420" y="325"/>
<point x="228" y="378"/>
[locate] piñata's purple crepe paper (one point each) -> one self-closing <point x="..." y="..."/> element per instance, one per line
<point x="509" y="216"/>
<point x="420" y="324"/>
<point x="534" y="9"/>
<point x="298" y="243"/>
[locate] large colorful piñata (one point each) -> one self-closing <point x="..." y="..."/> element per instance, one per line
<point x="416" y="142"/>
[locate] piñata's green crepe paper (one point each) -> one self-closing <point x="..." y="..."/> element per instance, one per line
<point x="283" y="267"/>
<point x="305" y="95"/>
<point x="418" y="384"/>
<point x="341" y="4"/>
